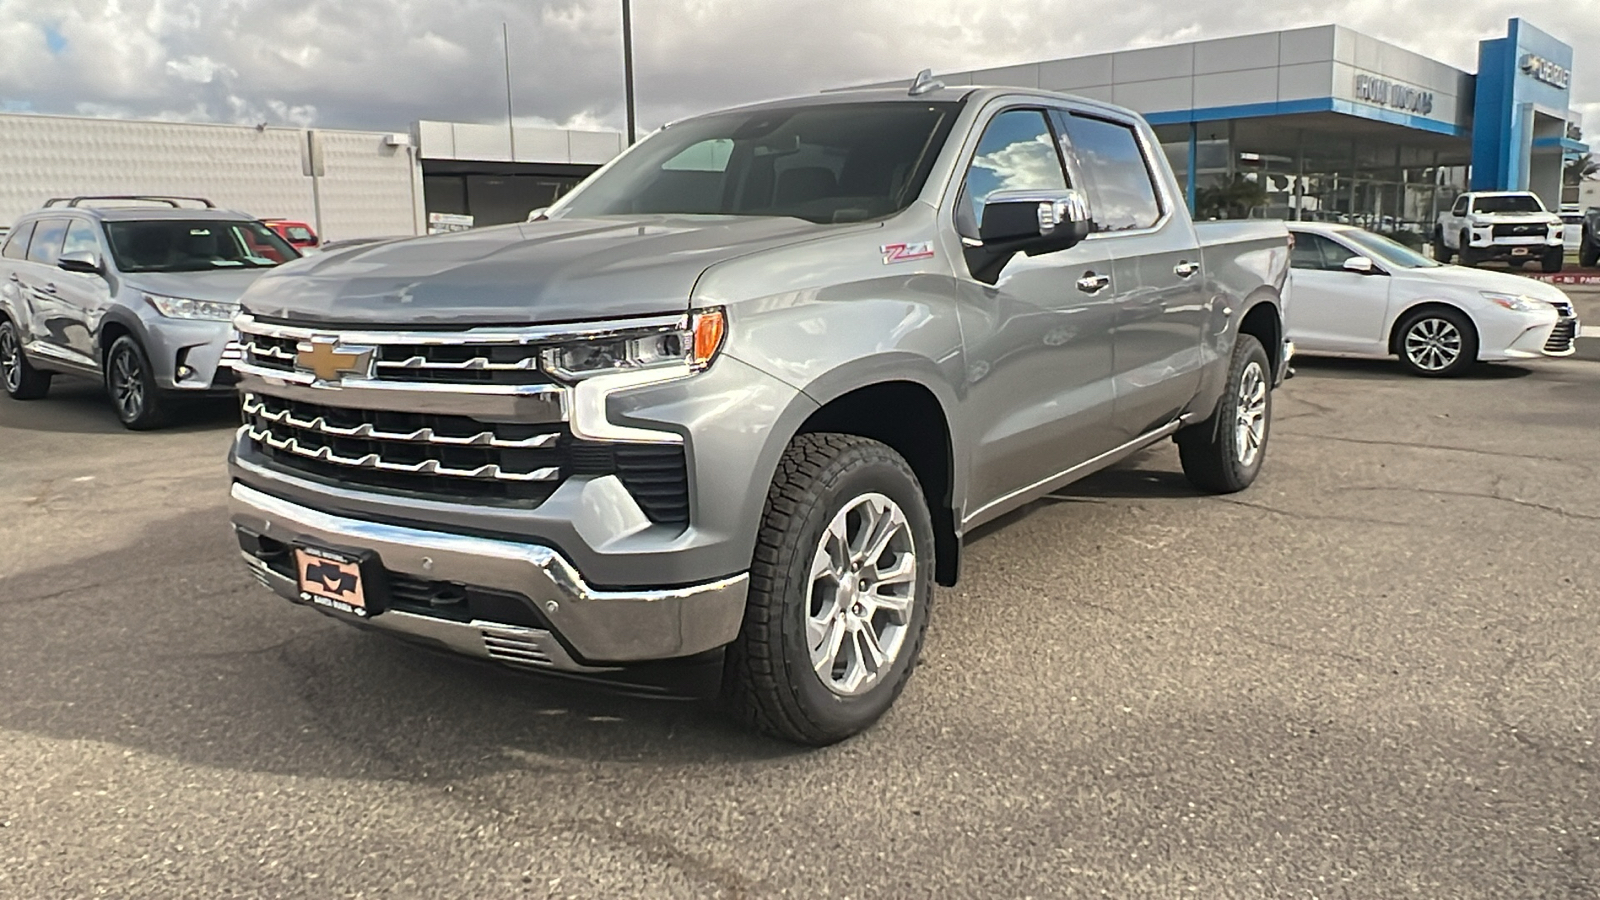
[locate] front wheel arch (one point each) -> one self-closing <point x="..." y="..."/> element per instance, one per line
<point x="1410" y="312"/>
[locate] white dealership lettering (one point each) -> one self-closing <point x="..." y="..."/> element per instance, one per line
<point x="1383" y="92"/>
<point x="1551" y="73"/>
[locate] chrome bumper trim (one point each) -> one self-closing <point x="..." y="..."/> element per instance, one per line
<point x="509" y="403"/>
<point x="600" y="625"/>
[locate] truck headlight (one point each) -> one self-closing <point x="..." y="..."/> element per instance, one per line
<point x="1515" y="302"/>
<point x="185" y="308"/>
<point x="693" y="347"/>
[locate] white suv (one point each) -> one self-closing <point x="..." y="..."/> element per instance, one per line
<point x="1512" y="226"/>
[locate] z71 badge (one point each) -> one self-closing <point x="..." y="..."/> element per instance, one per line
<point x="895" y="253"/>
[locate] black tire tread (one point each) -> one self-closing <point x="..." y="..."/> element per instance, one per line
<point x="755" y="680"/>
<point x="35" y="384"/>
<point x="1202" y="450"/>
<point x="156" y="413"/>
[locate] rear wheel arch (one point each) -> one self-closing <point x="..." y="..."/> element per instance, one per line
<point x="1264" y="321"/>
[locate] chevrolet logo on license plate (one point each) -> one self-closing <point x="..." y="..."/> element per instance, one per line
<point x="329" y="360"/>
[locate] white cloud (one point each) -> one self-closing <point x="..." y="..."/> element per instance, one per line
<point x="383" y="63"/>
<point x="197" y="69"/>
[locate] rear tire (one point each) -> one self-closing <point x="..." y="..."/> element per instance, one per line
<point x="1223" y="454"/>
<point x="1553" y="261"/>
<point x="131" y="382"/>
<point x="1588" y="251"/>
<point x="1441" y="251"/>
<point x="1437" y="343"/>
<point x="22" y="380"/>
<point x="802" y="667"/>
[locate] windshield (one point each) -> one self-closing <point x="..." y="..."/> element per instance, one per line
<point x="1387" y="252"/>
<point x="1510" y="203"/>
<point x="846" y="162"/>
<point x="176" y="245"/>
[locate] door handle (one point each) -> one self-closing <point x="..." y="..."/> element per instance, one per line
<point x="14" y="277"/>
<point x="1185" y="269"/>
<point x="49" y="288"/>
<point x="1091" y="283"/>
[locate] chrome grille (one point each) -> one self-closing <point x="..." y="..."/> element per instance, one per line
<point x="268" y="352"/>
<point x="470" y="364"/>
<point x="327" y="438"/>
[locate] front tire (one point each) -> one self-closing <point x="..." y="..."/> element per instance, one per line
<point x="1437" y="343"/>
<point x="1223" y="454"/>
<point x="131" y="382"/>
<point x="1469" y="256"/>
<point x="22" y="380"/>
<point x="840" y="589"/>
<point x="1553" y="261"/>
<point x="1441" y="251"/>
<point x="1588" y="251"/>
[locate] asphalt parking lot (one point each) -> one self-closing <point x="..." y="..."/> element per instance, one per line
<point x="1375" y="674"/>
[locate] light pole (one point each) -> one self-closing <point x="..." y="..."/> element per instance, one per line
<point x="627" y="69"/>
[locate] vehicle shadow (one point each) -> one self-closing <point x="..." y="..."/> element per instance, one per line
<point x="1390" y="370"/>
<point x="1141" y="476"/>
<point x="215" y="671"/>
<point x="80" y="406"/>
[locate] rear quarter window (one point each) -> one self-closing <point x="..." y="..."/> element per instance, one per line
<point x="16" y="246"/>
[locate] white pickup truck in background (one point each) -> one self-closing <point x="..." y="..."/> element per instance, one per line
<point x="1510" y="226"/>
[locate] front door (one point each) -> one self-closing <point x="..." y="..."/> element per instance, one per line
<point x="84" y="297"/>
<point x="1332" y="310"/>
<point x="39" y="279"/>
<point x="1038" y="342"/>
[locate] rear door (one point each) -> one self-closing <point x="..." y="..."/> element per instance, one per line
<point x="13" y="257"/>
<point x="1161" y="301"/>
<point x="37" y="277"/>
<point x="1334" y="311"/>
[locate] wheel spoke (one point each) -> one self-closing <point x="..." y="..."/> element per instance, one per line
<point x="902" y="572"/>
<point x="869" y="644"/>
<point x="885" y="529"/>
<point x="826" y="651"/>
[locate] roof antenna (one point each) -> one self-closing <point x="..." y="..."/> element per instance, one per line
<point x="924" y="83"/>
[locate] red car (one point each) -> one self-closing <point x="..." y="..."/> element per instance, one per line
<point x="298" y="234"/>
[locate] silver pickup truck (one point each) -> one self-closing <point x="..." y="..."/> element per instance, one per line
<point x="745" y="389"/>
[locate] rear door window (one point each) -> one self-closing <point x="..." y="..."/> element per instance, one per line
<point x="47" y="238"/>
<point x="1121" y="189"/>
<point x="17" y="243"/>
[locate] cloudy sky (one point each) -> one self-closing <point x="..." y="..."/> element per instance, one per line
<point x="381" y="64"/>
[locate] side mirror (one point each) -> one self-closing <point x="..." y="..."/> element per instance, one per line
<point x="537" y="215"/>
<point x="84" y="261"/>
<point x="1031" y="222"/>
<point x="1360" y="265"/>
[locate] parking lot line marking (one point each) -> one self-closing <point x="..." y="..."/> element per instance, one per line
<point x="1589" y="331"/>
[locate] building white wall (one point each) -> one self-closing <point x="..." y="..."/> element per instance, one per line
<point x="1272" y="67"/>
<point x="366" y="189"/>
<point x="492" y="143"/>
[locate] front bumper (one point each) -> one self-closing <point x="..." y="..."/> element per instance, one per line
<point x="577" y="628"/>
<point x="188" y="354"/>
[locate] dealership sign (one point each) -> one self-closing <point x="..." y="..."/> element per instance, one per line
<point x="1393" y="94"/>
<point x="1553" y="74"/>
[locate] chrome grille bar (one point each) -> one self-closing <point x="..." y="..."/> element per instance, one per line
<point x="254" y="407"/>
<point x="476" y="364"/>
<point x="491" y="472"/>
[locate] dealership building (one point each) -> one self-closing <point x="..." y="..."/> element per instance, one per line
<point x="1312" y="123"/>
<point x="1326" y="123"/>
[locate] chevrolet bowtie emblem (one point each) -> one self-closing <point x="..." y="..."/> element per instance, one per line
<point x="327" y="359"/>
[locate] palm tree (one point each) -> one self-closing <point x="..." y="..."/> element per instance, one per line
<point x="1580" y="168"/>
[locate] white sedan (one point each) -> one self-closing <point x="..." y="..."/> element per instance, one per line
<point x="1355" y="293"/>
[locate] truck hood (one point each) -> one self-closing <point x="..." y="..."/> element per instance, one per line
<point x="538" y="272"/>
<point x="222" y="285"/>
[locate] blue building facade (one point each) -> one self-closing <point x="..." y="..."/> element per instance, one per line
<point x="1325" y="123"/>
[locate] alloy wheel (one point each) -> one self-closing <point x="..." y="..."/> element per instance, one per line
<point x="127" y="384"/>
<point x="1433" y="344"/>
<point x="1250" y="423"/>
<point x="862" y="588"/>
<point x="10" y="358"/>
